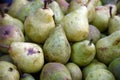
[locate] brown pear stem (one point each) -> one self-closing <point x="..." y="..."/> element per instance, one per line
<point x="4" y="46"/>
<point x="45" y="4"/>
<point x="91" y="41"/>
<point x="110" y="11"/>
<point x="2" y="13"/>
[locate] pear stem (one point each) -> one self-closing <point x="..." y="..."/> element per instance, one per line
<point x="45" y="4"/>
<point x="2" y="13"/>
<point x="90" y="42"/>
<point x="111" y="11"/>
<point x="4" y="46"/>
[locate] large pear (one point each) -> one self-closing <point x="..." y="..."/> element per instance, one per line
<point x="76" y="24"/>
<point x="57" y="48"/>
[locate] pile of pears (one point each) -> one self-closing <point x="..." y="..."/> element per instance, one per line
<point x="60" y="40"/>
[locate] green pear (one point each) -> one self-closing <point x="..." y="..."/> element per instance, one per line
<point x="94" y="34"/>
<point x="58" y="14"/>
<point x="108" y="47"/>
<point x="102" y="16"/>
<point x="100" y="74"/>
<point x="27" y="76"/>
<point x="76" y="24"/>
<point x="55" y="71"/>
<point x="83" y="52"/>
<point x="114" y="24"/>
<point x="75" y="71"/>
<point x="27" y="56"/>
<point x="28" y="9"/>
<point x="64" y="5"/>
<point x="93" y="66"/>
<point x="118" y="6"/>
<point x="9" y="34"/>
<point x="16" y="5"/>
<point x="108" y="1"/>
<point x="39" y="25"/>
<point x="8" y="71"/>
<point x="9" y="20"/>
<point x="56" y="47"/>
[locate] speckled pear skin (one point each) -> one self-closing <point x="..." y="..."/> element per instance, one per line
<point x="57" y="48"/>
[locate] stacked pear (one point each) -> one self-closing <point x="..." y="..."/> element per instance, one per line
<point x="76" y="24"/>
<point x="56" y="47"/>
<point x="39" y="25"/>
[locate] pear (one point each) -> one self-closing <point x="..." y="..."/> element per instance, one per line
<point x="76" y="24"/>
<point x="102" y="16"/>
<point x="100" y="74"/>
<point x="27" y="76"/>
<point x="58" y="14"/>
<point x="57" y="47"/>
<point x="9" y="20"/>
<point x="8" y="71"/>
<point x="16" y="5"/>
<point x="55" y="71"/>
<point x="39" y="25"/>
<point x="93" y="66"/>
<point x="108" y="1"/>
<point x="9" y="34"/>
<point x="108" y="47"/>
<point x="28" y="9"/>
<point x="114" y="24"/>
<point x="83" y="52"/>
<point x="63" y="5"/>
<point x="118" y="6"/>
<point x="75" y="71"/>
<point x="94" y="34"/>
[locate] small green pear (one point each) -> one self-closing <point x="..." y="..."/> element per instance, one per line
<point x="75" y="71"/>
<point x="93" y="66"/>
<point x="9" y="20"/>
<point x="28" y="57"/>
<point x="108" y="47"/>
<point x="76" y="24"/>
<point x="83" y="52"/>
<point x="39" y="25"/>
<point x="56" y="47"/>
<point x="9" y="34"/>
<point x="27" y="76"/>
<point x="8" y="71"/>
<point x="55" y="71"/>
<point x="58" y="14"/>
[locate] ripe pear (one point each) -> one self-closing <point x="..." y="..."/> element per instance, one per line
<point x="102" y="16"/>
<point x="28" y="57"/>
<point x="8" y="71"/>
<point x="28" y="9"/>
<point x="93" y="66"/>
<point x="56" y="47"/>
<point x="39" y="25"/>
<point x="94" y="34"/>
<point x="9" y="20"/>
<point x="27" y="76"/>
<point x="9" y="34"/>
<point x="76" y="24"/>
<point x="58" y="14"/>
<point x="75" y="71"/>
<point x="55" y="71"/>
<point x="108" y="47"/>
<point x="114" y="24"/>
<point x="83" y="52"/>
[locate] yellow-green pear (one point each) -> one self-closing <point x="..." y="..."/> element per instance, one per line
<point x="76" y="25"/>
<point x="83" y="52"/>
<point x="56" y="47"/>
<point x="27" y="76"/>
<point x="58" y="14"/>
<point x="114" y="24"/>
<point x="108" y="47"/>
<point x="39" y="25"/>
<point x="9" y="20"/>
<point x="27" y="56"/>
<point x="8" y="71"/>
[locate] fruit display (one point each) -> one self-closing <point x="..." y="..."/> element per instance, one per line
<point x="59" y="39"/>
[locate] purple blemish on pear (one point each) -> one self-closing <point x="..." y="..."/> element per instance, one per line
<point x="31" y="51"/>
